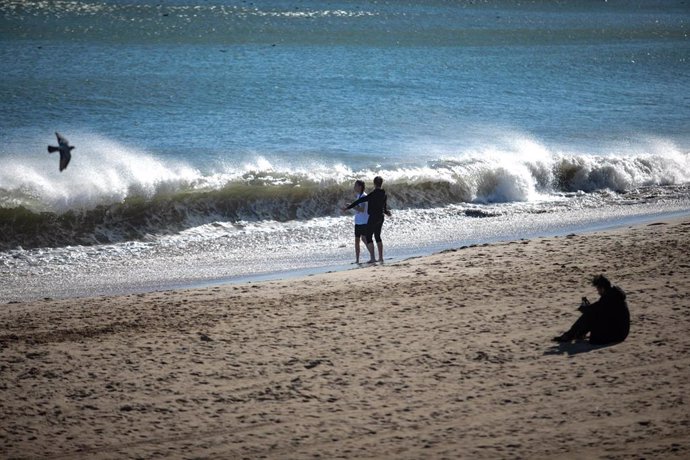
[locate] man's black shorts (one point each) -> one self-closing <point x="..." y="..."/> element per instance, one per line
<point x="374" y="229"/>
<point x="361" y="230"/>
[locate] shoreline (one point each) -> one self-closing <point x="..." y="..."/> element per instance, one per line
<point x="443" y="356"/>
<point x="401" y="255"/>
<point x="412" y="254"/>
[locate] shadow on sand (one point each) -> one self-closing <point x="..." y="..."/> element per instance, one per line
<point x="575" y="348"/>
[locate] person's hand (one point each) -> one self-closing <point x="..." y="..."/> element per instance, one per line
<point x="344" y="209"/>
<point x="388" y="213"/>
<point x="584" y="304"/>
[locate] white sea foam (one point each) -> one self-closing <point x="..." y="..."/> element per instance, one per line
<point x="104" y="172"/>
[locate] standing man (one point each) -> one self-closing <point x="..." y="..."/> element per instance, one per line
<point x="361" y="220"/>
<point x="377" y="207"/>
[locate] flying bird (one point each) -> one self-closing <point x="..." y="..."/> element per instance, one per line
<point x="64" y="149"/>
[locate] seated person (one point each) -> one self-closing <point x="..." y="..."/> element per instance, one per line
<point x="606" y="320"/>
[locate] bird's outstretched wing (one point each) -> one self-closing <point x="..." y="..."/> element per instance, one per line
<point x="65" y="156"/>
<point x="61" y="140"/>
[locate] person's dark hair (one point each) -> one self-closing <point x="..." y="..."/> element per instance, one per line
<point x="378" y="181"/>
<point x="601" y="281"/>
<point x="360" y="183"/>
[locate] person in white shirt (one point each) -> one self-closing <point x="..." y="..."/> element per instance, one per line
<point x="377" y="207"/>
<point x="361" y="223"/>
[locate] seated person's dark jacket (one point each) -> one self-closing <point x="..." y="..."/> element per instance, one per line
<point x="610" y="317"/>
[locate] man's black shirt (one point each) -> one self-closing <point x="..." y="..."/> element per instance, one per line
<point x="378" y="203"/>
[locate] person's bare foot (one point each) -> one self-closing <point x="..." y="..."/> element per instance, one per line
<point x="371" y="261"/>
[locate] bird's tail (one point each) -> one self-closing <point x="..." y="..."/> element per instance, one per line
<point x="52" y="149"/>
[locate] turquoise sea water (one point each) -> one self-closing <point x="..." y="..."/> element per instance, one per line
<point x="352" y="82"/>
<point x="196" y="119"/>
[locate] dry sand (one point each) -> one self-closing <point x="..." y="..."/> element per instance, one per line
<point x="446" y="356"/>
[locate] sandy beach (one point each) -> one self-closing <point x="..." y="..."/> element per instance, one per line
<point x="446" y="356"/>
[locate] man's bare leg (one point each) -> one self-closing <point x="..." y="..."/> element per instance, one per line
<point x="356" y="249"/>
<point x="370" y="247"/>
<point x="380" y="246"/>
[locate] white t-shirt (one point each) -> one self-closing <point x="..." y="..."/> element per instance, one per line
<point x="362" y="218"/>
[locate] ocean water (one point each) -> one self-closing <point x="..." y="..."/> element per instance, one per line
<point x="217" y="139"/>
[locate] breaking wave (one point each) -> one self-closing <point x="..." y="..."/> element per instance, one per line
<point x="129" y="195"/>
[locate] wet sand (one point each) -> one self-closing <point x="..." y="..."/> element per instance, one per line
<point x="446" y="356"/>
